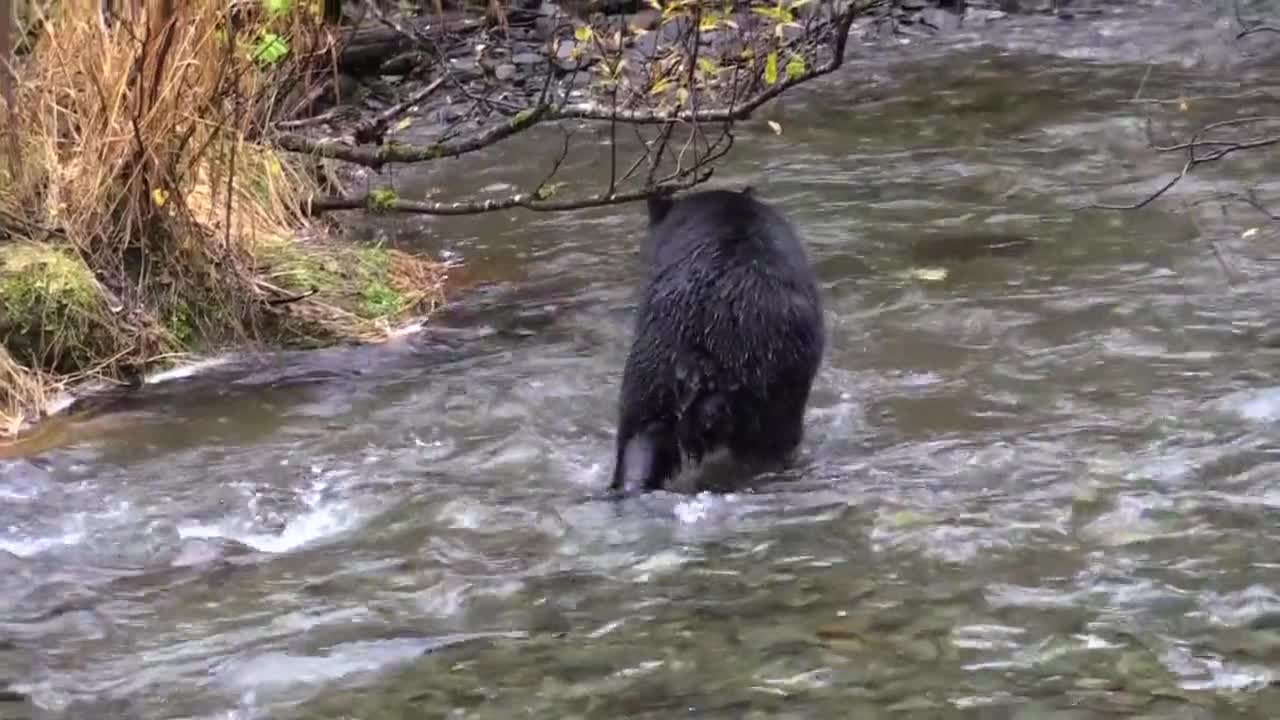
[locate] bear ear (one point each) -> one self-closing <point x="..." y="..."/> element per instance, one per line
<point x="659" y="205"/>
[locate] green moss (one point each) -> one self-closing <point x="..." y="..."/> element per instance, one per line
<point x="526" y="117"/>
<point x="181" y="324"/>
<point x="52" y="312"/>
<point x="31" y="275"/>
<point x="381" y="199"/>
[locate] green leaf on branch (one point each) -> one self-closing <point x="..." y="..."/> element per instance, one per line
<point x="270" y="48"/>
<point x="795" y="67"/>
<point x="707" y="68"/>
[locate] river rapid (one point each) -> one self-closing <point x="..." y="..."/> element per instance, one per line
<point x="1038" y="487"/>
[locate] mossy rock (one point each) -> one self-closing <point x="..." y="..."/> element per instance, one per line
<point x="53" y="314"/>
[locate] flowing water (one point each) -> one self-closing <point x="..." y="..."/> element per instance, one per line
<point x="1040" y="487"/>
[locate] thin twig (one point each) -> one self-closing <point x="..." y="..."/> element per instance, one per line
<point x="1217" y="149"/>
<point x="1246" y="28"/>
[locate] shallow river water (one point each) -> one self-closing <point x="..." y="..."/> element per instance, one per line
<point x="1041" y="487"/>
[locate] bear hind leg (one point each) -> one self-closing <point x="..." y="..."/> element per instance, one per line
<point x="646" y="459"/>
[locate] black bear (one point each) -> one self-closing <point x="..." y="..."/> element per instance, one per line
<point x="727" y="343"/>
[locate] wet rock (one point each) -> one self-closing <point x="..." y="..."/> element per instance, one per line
<point x="982" y="16"/>
<point x="527" y="58"/>
<point x="464" y="65"/>
<point x="405" y="63"/>
<point x="505" y="71"/>
<point x="446" y="114"/>
<point x="647" y="19"/>
<point x="12" y="696"/>
<point x="941" y="19"/>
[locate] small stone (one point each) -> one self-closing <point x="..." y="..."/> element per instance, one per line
<point x="527" y="58"/>
<point x="646" y="19"/>
<point x="505" y="71"/>
<point x="463" y="65"/>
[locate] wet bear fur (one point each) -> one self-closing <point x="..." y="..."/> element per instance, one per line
<point x="728" y="339"/>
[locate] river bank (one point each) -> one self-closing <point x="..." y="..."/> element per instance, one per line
<point x="158" y="205"/>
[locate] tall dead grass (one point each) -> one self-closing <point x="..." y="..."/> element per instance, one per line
<point x="21" y="391"/>
<point x="133" y="148"/>
<point x="133" y="134"/>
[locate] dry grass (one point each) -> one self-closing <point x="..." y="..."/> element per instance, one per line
<point x="22" y="392"/>
<point x="135" y="158"/>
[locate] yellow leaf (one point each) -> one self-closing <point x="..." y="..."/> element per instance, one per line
<point x="771" y="13"/>
<point x="406" y="122"/>
<point x="771" y="68"/>
<point x="682" y="95"/>
<point x="582" y="33"/>
<point x="159" y="196"/>
<point x="777" y="129"/>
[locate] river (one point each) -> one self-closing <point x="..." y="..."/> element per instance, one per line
<point x="1038" y="487"/>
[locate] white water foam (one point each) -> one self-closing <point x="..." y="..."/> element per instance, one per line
<point x="322" y="518"/>
<point x="25" y="547"/>
<point x="1260" y="405"/>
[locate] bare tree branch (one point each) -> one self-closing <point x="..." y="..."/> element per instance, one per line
<point x="543" y="110"/>
<point x="528" y="201"/>
<point x="402" y="153"/>
<point x="1216" y="150"/>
